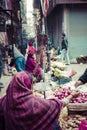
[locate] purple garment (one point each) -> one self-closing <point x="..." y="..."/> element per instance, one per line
<point x="24" y="111"/>
<point x="31" y="64"/>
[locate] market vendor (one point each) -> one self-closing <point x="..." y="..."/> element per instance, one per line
<point x="22" y="110"/>
<point x="82" y="80"/>
<point x="31" y="47"/>
<point x="18" y="60"/>
<point x="33" y="65"/>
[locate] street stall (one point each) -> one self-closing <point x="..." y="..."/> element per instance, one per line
<point x="60" y="74"/>
<point x="75" y="114"/>
<point x="58" y="83"/>
<point x="43" y="56"/>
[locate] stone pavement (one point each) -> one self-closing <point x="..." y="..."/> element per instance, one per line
<point x="5" y="80"/>
<point x="79" y="68"/>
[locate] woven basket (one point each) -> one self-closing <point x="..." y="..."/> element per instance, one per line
<point x="77" y="106"/>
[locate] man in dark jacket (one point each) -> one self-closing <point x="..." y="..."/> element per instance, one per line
<point x="64" y="49"/>
<point x="82" y="80"/>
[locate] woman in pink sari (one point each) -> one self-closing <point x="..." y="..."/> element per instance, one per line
<point x="31" y="47"/>
<point x="24" y="111"/>
<point x="32" y="66"/>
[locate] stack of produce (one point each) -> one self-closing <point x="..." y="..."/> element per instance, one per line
<point x="60" y="73"/>
<point x="82" y="98"/>
<point x="58" y="65"/>
<point x="78" y="103"/>
<point x="71" y="122"/>
<point x="64" y="92"/>
<point x="57" y="58"/>
<point x="81" y="59"/>
<point x="58" y="69"/>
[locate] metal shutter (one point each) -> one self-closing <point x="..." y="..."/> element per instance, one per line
<point x="77" y="30"/>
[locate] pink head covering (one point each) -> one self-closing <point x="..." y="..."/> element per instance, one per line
<point x="32" y="49"/>
<point x="24" y="111"/>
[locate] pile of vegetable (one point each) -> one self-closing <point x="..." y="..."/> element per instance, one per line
<point x="81" y="59"/>
<point x="57" y="58"/>
<point x="64" y="92"/>
<point x="58" y="65"/>
<point x="60" y="74"/>
<point x="82" y="98"/>
<point x="58" y="69"/>
<point x="71" y="122"/>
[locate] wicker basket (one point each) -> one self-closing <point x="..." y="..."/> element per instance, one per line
<point x="77" y="106"/>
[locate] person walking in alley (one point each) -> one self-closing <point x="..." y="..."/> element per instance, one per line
<point x="22" y="110"/>
<point x="82" y="80"/>
<point x="64" y="49"/>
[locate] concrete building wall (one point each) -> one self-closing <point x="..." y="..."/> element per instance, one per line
<point x="77" y="30"/>
<point x="72" y="19"/>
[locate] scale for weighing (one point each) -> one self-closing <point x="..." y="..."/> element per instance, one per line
<point x="43" y="87"/>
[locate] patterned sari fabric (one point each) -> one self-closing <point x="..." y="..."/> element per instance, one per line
<point x="31" y="64"/>
<point x="31" y="48"/>
<point x="24" y="111"/>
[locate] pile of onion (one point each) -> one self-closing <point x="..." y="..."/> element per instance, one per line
<point x="64" y="92"/>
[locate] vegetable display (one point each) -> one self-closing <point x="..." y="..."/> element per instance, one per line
<point x="71" y="122"/>
<point x="58" y="73"/>
<point x="58" y="65"/>
<point x="64" y="92"/>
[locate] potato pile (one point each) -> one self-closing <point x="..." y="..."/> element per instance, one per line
<point x="71" y="122"/>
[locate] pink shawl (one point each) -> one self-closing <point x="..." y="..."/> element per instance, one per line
<point x="31" y="64"/>
<point x="24" y="111"/>
<point x="31" y="48"/>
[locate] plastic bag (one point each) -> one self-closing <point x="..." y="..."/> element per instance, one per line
<point x="83" y="125"/>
